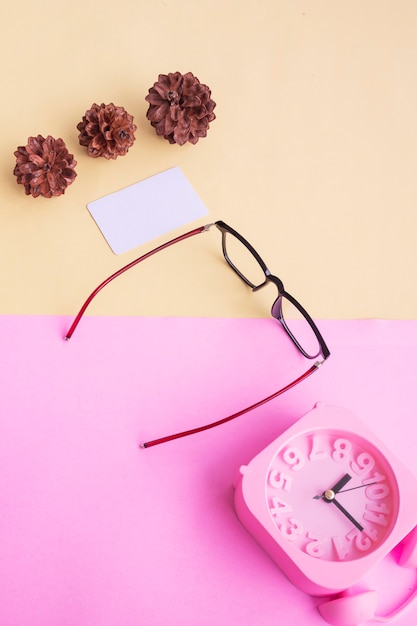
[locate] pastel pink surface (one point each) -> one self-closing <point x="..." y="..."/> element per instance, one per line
<point x="96" y="531"/>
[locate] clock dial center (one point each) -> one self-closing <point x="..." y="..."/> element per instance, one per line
<point x="329" y="495"/>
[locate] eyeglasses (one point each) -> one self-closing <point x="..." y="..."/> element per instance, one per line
<point x="249" y="266"/>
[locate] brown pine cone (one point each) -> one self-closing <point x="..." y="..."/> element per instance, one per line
<point x="44" y="166"/>
<point x="107" y="131"/>
<point x="180" y="107"/>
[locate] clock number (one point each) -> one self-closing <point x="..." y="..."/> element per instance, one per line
<point x="291" y="529"/>
<point x="280" y="480"/>
<point x="376" y="512"/>
<point x="341" y="450"/>
<point x="371" y="533"/>
<point x="294" y="458"/>
<point x="361" y="541"/>
<point x="380" y="507"/>
<point x="341" y="547"/>
<point x="375" y="478"/>
<point x="363" y="464"/>
<point x="280" y="507"/>
<point x="316" y="546"/>
<point x="316" y="454"/>
<point x="376" y="492"/>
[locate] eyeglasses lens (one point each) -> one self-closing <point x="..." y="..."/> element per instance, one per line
<point x="243" y="261"/>
<point x="248" y="267"/>
<point x="299" y="327"/>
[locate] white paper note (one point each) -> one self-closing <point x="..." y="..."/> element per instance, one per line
<point x="146" y="210"/>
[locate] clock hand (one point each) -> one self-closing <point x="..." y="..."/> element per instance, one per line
<point x="341" y="483"/>
<point x="347" y="514"/>
<point x="329" y="493"/>
<point x="329" y="496"/>
<point x="345" y="490"/>
<point x="358" y="487"/>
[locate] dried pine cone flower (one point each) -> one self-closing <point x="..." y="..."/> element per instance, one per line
<point x="106" y="130"/>
<point x="180" y="107"/>
<point x="44" y="166"/>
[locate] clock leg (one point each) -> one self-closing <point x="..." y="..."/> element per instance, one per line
<point x="350" y="610"/>
<point x="408" y="556"/>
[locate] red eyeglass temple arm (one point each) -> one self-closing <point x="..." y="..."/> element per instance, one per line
<point x="193" y="431"/>
<point x="76" y="321"/>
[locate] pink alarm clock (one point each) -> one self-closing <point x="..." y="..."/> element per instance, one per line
<point x="327" y="500"/>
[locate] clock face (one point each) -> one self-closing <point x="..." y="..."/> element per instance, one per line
<point x="332" y="495"/>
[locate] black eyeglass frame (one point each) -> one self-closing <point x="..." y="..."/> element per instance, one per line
<point x="323" y="349"/>
<point x="224" y="229"/>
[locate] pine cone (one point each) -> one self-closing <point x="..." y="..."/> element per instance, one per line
<point x="180" y="108"/>
<point x="107" y="131"/>
<point x="44" y="166"/>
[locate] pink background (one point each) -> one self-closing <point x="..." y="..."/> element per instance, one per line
<point x="96" y="531"/>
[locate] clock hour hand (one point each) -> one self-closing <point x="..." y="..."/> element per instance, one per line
<point x="330" y="493"/>
<point x="341" y="483"/>
<point x="330" y="496"/>
<point x="345" y="490"/>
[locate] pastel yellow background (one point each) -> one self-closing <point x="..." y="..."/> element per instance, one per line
<point x="313" y="155"/>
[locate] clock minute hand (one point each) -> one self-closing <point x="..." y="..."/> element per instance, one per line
<point x="347" y="514"/>
<point x="329" y="496"/>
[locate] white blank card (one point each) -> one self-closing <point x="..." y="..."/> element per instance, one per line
<point x="146" y="210"/>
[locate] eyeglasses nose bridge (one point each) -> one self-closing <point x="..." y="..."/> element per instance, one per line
<point x="280" y="288"/>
